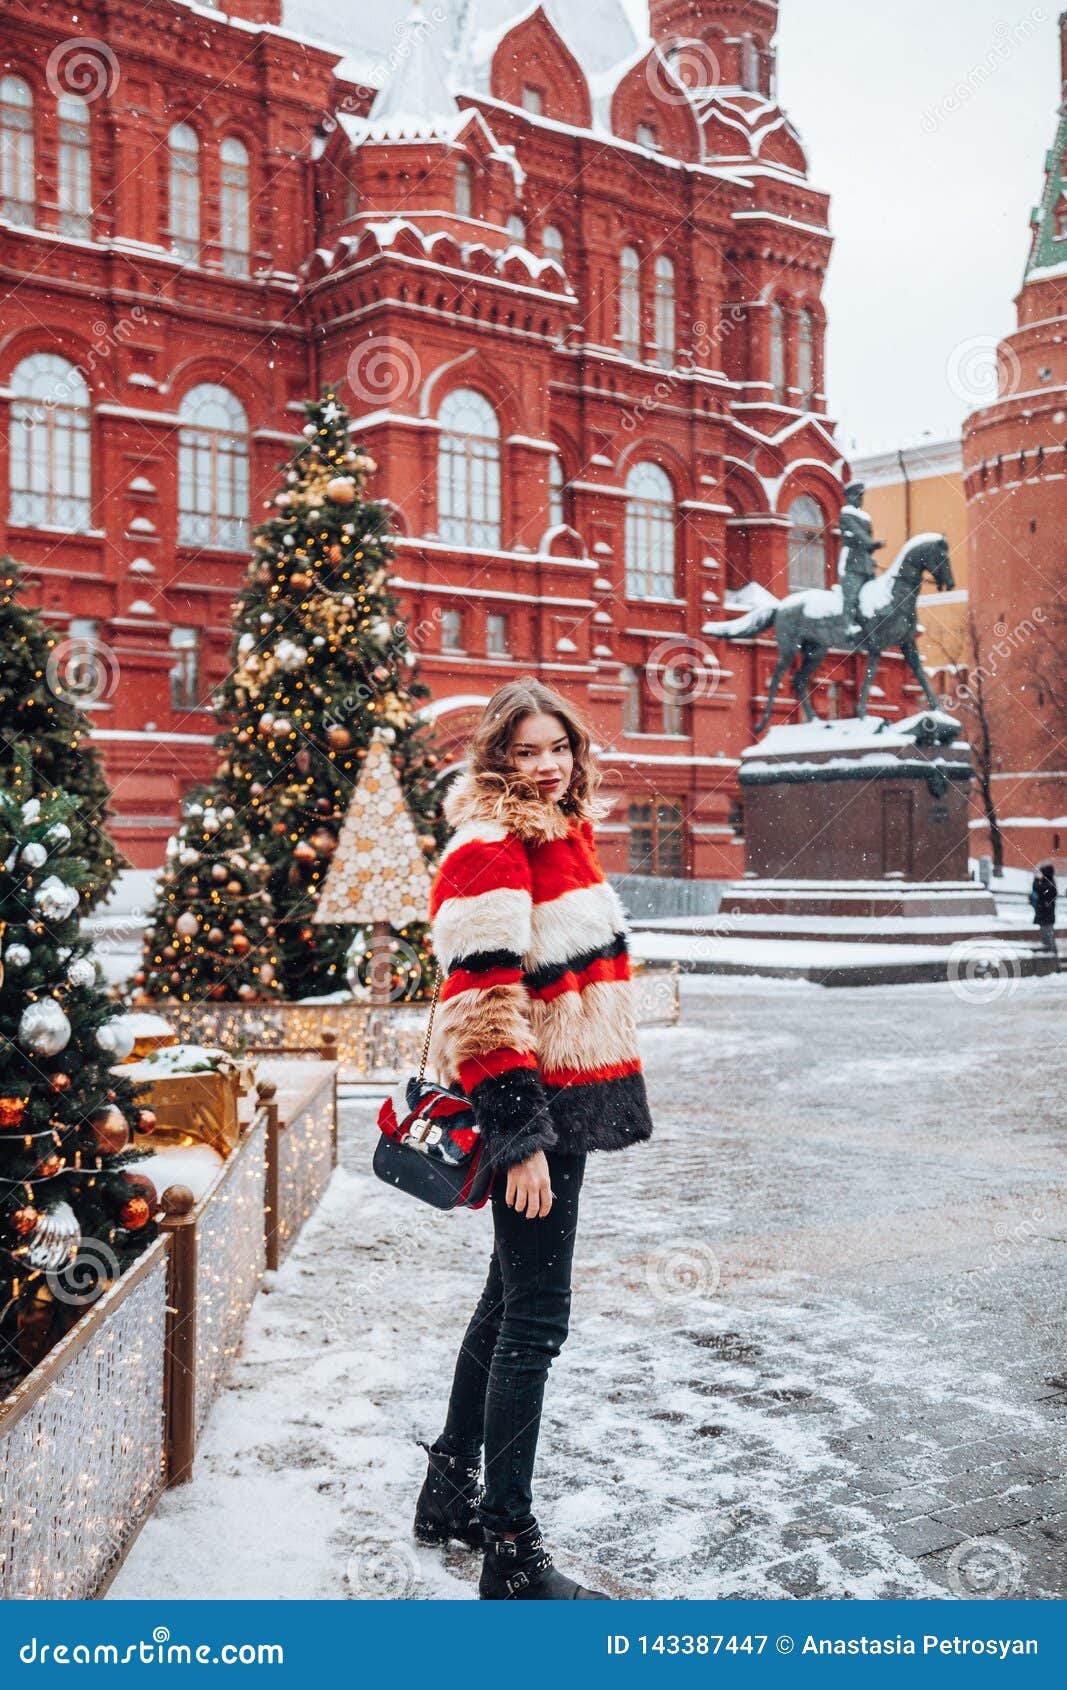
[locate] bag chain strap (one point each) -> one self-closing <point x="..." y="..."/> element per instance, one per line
<point x="429" y="1024"/>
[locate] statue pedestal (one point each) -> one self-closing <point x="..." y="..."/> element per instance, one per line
<point x="858" y="818"/>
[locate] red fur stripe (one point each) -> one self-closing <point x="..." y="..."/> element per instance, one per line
<point x="491" y="1064"/>
<point x="563" y="865"/>
<point x="590" y="1076"/>
<point x="603" y="969"/>
<point x="480" y="866"/>
<point x="467" y="980"/>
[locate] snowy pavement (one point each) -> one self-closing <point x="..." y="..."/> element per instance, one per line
<point x="817" y="1343"/>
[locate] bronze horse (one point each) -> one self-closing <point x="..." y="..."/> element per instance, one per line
<point x="808" y="624"/>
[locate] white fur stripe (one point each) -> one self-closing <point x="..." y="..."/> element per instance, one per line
<point x="489" y="921"/>
<point x="575" y="922"/>
<point x="473" y="833"/>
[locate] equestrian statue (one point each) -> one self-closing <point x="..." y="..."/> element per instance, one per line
<point x="865" y="613"/>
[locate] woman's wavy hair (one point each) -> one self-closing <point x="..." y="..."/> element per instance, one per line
<point x="527" y="696"/>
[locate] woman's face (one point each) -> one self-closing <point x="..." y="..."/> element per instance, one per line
<point x="540" y="747"/>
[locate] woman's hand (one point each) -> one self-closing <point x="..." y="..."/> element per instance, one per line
<point x="529" y="1187"/>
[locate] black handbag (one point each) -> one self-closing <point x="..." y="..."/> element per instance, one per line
<point x="430" y="1144"/>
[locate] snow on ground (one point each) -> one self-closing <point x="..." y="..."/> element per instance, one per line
<point x="815" y="1343"/>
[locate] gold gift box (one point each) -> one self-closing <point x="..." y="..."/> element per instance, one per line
<point x="200" y="1107"/>
<point x="150" y="1032"/>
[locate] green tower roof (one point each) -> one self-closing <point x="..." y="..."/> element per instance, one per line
<point x="1049" y="220"/>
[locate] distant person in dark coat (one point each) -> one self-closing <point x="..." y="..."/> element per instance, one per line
<point x="1043" y="898"/>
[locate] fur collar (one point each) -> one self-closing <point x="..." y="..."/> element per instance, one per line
<point x="513" y="800"/>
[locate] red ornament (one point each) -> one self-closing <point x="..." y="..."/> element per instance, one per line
<point x="12" y="1110"/>
<point x="135" y="1214"/>
<point x="146" y="1121"/>
<point x="25" y="1220"/>
<point x="51" y="1165"/>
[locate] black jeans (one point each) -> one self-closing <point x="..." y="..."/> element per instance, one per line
<point x="516" y="1330"/>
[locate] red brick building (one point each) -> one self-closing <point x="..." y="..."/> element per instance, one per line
<point x="1015" y="470"/>
<point x="571" y="282"/>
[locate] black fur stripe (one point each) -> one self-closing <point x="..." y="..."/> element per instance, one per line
<point x="539" y="978"/>
<point x="479" y="962"/>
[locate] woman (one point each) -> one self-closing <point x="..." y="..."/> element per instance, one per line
<point x="535" y="1021"/>
<point x="1043" y="899"/>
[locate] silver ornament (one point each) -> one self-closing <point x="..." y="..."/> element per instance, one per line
<point x="44" y="1028"/>
<point x="17" y="956"/>
<point x="33" y="854"/>
<point x="55" y="1239"/>
<point x="81" y="972"/>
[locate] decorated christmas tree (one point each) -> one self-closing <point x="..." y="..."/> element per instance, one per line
<point x="73" y="1213"/>
<point x="320" y="661"/>
<point x="43" y="682"/>
<point x="379" y="877"/>
<point x="212" y="933"/>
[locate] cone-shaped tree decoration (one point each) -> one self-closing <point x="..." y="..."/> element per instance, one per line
<point x="73" y="1211"/>
<point x="212" y="933"/>
<point x="379" y="875"/>
<point x="320" y="660"/>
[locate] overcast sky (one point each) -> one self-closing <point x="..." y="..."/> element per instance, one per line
<point x="927" y="121"/>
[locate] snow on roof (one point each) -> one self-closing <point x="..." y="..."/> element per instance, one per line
<point x="418" y="88"/>
<point x="380" y="234"/>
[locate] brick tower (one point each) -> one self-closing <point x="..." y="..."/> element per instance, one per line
<point x="1015" y="470"/>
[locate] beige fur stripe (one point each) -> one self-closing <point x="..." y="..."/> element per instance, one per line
<point x="589" y="1029"/>
<point x="491" y="921"/>
<point x="575" y="922"/>
<point x="476" y="1022"/>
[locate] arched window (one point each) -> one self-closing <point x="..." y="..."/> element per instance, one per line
<point x="806" y="357"/>
<point x="807" y="545"/>
<point x="468" y="470"/>
<point x="557" y="506"/>
<point x="235" y="232"/>
<point x="464" y="189"/>
<point x="632" y="702"/>
<point x="630" y="303"/>
<point x="75" y="180"/>
<point x="517" y="228"/>
<point x="185" y="192"/>
<point x="778" y="352"/>
<point x="552" y="243"/>
<point x="750" y="64"/>
<point x="672" y="687"/>
<point x="212" y="469"/>
<point x="649" y="533"/>
<point x="665" y="332"/>
<point x="17" y="194"/>
<point x="50" y="435"/>
<point x="351" y="199"/>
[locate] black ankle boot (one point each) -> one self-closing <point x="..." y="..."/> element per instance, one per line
<point x="448" y="1502"/>
<point x="523" y="1570"/>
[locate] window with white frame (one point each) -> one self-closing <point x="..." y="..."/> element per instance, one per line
<point x="49" y="470"/>
<point x="75" y="181"/>
<point x="184" y="176"/>
<point x="496" y="634"/>
<point x="468" y="470"/>
<point x="777" y="350"/>
<point x="17" y="186"/>
<point x="235" y="234"/>
<point x="630" y="302"/>
<point x="185" y="669"/>
<point x="517" y="228"/>
<point x="552" y="243"/>
<point x="464" y="189"/>
<point x="83" y="669"/>
<point x="807" y="544"/>
<point x="212" y="469"/>
<point x="646" y="136"/>
<point x="750" y="64"/>
<point x="650" y="527"/>
<point x="665" y="314"/>
<point x="806" y="357"/>
<point x="632" y="701"/>
<point x="533" y="101"/>
<point x="557" y="508"/>
<point x="452" y="630"/>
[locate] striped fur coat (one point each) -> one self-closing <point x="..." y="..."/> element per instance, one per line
<point x="535" y="1019"/>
